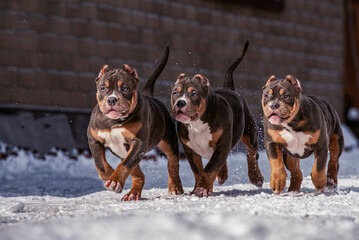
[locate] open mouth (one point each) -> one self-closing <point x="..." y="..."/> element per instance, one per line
<point x="275" y="118"/>
<point x="183" y="117"/>
<point x="116" y="113"/>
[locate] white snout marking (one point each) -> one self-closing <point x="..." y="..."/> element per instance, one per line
<point x="199" y="135"/>
<point x="184" y="98"/>
<point x="296" y="141"/>
<point x="115" y="141"/>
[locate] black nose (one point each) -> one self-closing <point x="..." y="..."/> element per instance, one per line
<point x="274" y="105"/>
<point x="181" y="103"/>
<point x="112" y="101"/>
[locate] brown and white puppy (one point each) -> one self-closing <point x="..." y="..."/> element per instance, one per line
<point x="210" y="123"/>
<point x="130" y="124"/>
<point x="295" y="126"/>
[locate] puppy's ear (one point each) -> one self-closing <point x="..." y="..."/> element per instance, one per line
<point x="294" y="81"/>
<point x="130" y="70"/>
<point x="182" y="75"/>
<point x="203" y="80"/>
<point x="103" y="70"/>
<point x="270" y="79"/>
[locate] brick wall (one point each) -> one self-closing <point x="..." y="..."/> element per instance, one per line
<point x="51" y="50"/>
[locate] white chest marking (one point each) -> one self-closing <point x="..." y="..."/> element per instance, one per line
<point x="296" y="140"/>
<point x="199" y="135"/>
<point x="115" y="141"/>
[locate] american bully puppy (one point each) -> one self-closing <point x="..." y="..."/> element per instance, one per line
<point x="295" y="126"/>
<point x="130" y="124"/>
<point x="210" y="123"/>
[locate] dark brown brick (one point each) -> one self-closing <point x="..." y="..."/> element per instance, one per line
<point x="132" y="34"/>
<point x="11" y="19"/>
<point x="63" y="61"/>
<point x="39" y="96"/>
<point x="69" y="44"/>
<point x="80" y="64"/>
<point x="98" y="29"/>
<point x="78" y="99"/>
<point x="48" y="80"/>
<point x="86" y="82"/>
<point x="49" y="42"/>
<point x="4" y="95"/>
<point x="60" y="25"/>
<point x="27" y="78"/>
<point x="50" y="7"/>
<point x="30" y="5"/>
<point x="124" y="16"/>
<point x="60" y="98"/>
<point x="89" y="10"/>
<point x="79" y="28"/>
<point x="8" y="39"/>
<point x="72" y="10"/>
<point x="39" y="23"/>
<point x="68" y="81"/>
<point x="106" y="13"/>
<point x="115" y="32"/>
<point x="21" y="58"/>
<point x="106" y="48"/>
<point x="88" y="47"/>
<point x="28" y="40"/>
<point x="19" y="96"/>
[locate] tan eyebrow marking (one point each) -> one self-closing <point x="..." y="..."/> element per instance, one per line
<point x="282" y="91"/>
<point x="190" y="89"/>
<point x="270" y="91"/>
<point x="107" y="84"/>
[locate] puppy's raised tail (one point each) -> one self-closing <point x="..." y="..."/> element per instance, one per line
<point x="148" y="89"/>
<point x="228" y="79"/>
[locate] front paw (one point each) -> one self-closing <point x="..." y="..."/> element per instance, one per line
<point x="202" y="192"/>
<point x="133" y="195"/>
<point x="278" y="182"/>
<point x="114" y="186"/>
<point x="256" y="178"/>
<point x="175" y="187"/>
<point x="204" y="188"/>
<point x="331" y="183"/>
<point x="175" y="190"/>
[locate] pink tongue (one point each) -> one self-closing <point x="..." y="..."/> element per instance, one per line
<point x="113" y="114"/>
<point x="182" y="117"/>
<point x="274" y="119"/>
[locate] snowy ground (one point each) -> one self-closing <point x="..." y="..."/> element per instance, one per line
<point x="63" y="199"/>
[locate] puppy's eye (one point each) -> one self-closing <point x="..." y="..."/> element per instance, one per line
<point x="194" y="94"/>
<point x="286" y="97"/>
<point x="124" y="88"/>
<point x="103" y="88"/>
<point x="269" y="96"/>
<point x="175" y="93"/>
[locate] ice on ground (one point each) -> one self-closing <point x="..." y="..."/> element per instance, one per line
<point x="60" y="198"/>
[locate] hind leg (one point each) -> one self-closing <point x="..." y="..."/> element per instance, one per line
<point x="174" y="181"/>
<point x="254" y="173"/>
<point x="296" y="176"/>
<point x="138" y="180"/>
<point x="335" y="148"/>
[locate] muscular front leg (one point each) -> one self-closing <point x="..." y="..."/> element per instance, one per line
<point x="102" y="166"/>
<point x="204" y="186"/>
<point x="138" y="180"/>
<point x="116" y="181"/>
<point x="296" y="176"/>
<point x="278" y="174"/>
<point x="195" y="162"/>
